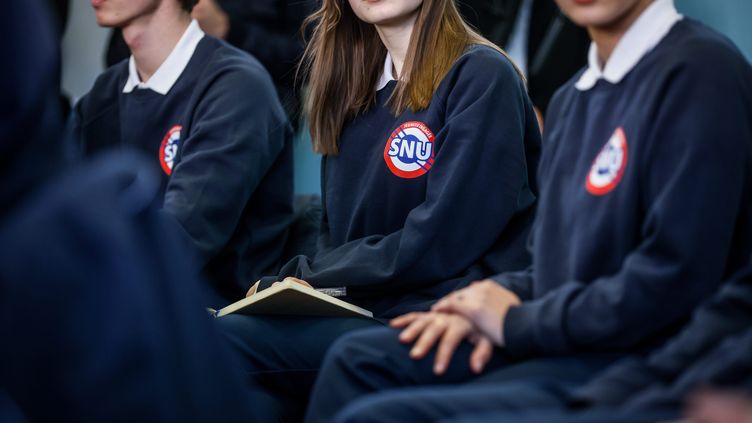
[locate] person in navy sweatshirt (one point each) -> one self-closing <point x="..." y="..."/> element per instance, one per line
<point x="100" y="317"/>
<point x="646" y="183"/>
<point x="208" y="116"/>
<point x="712" y="350"/>
<point x="429" y="149"/>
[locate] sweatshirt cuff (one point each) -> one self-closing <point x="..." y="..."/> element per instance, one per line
<point x="518" y="339"/>
<point x="530" y="330"/>
<point x="515" y="282"/>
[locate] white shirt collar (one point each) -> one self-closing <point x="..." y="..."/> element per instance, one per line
<point x="644" y="34"/>
<point x="387" y="74"/>
<point x="171" y="69"/>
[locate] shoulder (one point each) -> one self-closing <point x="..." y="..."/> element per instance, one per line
<point x="104" y="91"/>
<point x="563" y="96"/>
<point x="694" y="50"/>
<point x="482" y="69"/>
<point x="483" y="64"/>
<point x="227" y="61"/>
<point x="236" y="75"/>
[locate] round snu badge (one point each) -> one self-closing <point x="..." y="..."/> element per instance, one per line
<point x="608" y="167"/>
<point x="169" y="148"/>
<point x="409" y="151"/>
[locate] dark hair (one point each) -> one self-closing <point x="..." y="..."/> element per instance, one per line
<point x="188" y="4"/>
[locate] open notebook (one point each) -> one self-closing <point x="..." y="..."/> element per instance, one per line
<point x="292" y="299"/>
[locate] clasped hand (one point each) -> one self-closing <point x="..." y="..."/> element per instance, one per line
<point x="475" y="313"/>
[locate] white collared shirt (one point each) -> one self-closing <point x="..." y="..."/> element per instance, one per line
<point x="387" y="74"/>
<point x="171" y="69"/>
<point x="644" y="34"/>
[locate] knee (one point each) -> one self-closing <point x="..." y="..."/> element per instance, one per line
<point x="375" y="408"/>
<point x="363" y="348"/>
<point x="248" y="338"/>
<point x="235" y="327"/>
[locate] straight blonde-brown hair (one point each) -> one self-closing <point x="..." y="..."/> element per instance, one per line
<point x="345" y="57"/>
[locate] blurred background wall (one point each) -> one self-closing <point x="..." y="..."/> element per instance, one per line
<point x="84" y="44"/>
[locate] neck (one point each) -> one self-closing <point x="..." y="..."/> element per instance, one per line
<point x="151" y="38"/>
<point x="607" y="37"/>
<point x="396" y="38"/>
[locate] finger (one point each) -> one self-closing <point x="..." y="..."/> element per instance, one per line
<point x="444" y="304"/>
<point x="298" y="281"/>
<point x="414" y="329"/>
<point x="428" y="338"/>
<point x="481" y="354"/>
<point x="252" y="290"/>
<point x="404" y="320"/>
<point x="463" y="306"/>
<point x="452" y="338"/>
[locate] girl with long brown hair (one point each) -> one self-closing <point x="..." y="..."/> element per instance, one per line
<point x="429" y="143"/>
<point x="645" y="208"/>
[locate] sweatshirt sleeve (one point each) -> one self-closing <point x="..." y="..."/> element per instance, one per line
<point x="695" y="182"/>
<point x="478" y="183"/>
<point x="238" y="132"/>
<point x="726" y="314"/>
<point x="520" y="282"/>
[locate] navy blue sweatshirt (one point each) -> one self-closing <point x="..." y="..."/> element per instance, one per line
<point x="715" y="348"/>
<point x="31" y="147"/>
<point x="84" y="263"/>
<point x="626" y="245"/>
<point x="99" y="305"/>
<point x="419" y="204"/>
<point x="223" y="145"/>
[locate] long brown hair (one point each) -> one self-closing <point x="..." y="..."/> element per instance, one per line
<point x="345" y="57"/>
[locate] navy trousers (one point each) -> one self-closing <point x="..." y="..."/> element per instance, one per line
<point x="370" y="373"/>
<point x="594" y="416"/>
<point x="282" y="357"/>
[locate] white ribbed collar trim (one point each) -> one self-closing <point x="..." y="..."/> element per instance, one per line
<point x="171" y="69"/>
<point x="644" y="34"/>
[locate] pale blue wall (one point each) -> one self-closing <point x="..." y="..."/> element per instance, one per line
<point x="731" y="17"/>
<point x="307" y="165"/>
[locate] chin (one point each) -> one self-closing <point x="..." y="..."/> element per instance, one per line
<point x="588" y="16"/>
<point x="104" y="18"/>
<point x="382" y="12"/>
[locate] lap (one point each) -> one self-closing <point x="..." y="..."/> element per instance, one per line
<point x="280" y="343"/>
<point x="379" y="350"/>
<point x="433" y="403"/>
<point x="553" y="416"/>
<point x="380" y="347"/>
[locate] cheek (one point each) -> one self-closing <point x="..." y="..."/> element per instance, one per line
<point x="412" y="5"/>
<point x="359" y="8"/>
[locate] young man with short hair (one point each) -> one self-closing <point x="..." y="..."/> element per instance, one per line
<point x="208" y="116"/>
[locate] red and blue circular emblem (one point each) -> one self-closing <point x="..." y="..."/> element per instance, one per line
<point x="608" y="167"/>
<point x="409" y="151"/>
<point x="168" y="151"/>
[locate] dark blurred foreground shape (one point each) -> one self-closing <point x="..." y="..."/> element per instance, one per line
<point x="99" y="315"/>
